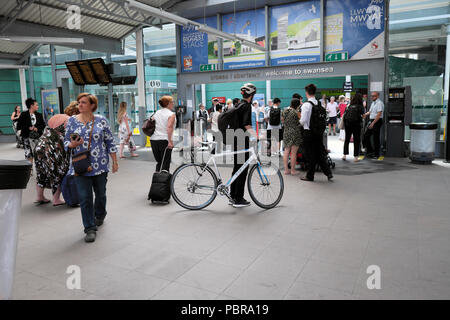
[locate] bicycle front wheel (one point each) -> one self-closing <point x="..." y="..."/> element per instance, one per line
<point x="265" y="185"/>
<point x="194" y="186"/>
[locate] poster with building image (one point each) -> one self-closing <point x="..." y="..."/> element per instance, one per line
<point x="197" y="48"/>
<point x="356" y="27"/>
<point x="295" y="33"/>
<point x="248" y="25"/>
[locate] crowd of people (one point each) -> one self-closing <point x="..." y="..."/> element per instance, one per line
<point x="55" y="147"/>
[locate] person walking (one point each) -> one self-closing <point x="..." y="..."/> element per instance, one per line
<point x="51" y="159"/>
<point x="162" y="139"/>
<point x="342" y="106"/>
<point x="124" y="131"/>
<point x="31" y="125"/>
<point x="203" y="118"/>
<point x="313" y="122"/>
<point x="91" y="132"/>
<point x="352" y="124"/>
<point x="274" y="126"/>
<point x="292" y="135"/>
<point x="15" y="118"/>
<point x="332" y="109"/>
<point x="374" y="126"/>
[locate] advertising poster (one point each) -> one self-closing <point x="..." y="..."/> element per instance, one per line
<point x="295" y="33"/>
<point x="356" y="27"/>
<point x="197" y="48"/>
<point x="50" y="103"/>
<point x="248" y="25"/>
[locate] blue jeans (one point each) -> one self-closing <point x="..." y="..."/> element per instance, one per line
<point x="90" y="209"/>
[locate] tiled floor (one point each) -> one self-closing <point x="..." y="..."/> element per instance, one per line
<point x="317" y="244"/>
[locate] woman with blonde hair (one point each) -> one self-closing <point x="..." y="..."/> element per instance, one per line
<point x="124" y="131"/>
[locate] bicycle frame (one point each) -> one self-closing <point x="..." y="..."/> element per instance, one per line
<point x="253" y="157"/>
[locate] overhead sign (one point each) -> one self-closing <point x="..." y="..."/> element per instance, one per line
<point x="154" y="83"/>
<point x="348" y="86"/>
<point x="208" y="67"/>
<point x="339" y="56"/>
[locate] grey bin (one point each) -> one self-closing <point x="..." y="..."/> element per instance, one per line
<point x="423" y="142"/>
<point x="14" y="176"/>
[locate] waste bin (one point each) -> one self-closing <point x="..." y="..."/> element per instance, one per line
<point x="423" y="142"/>
<point x="14" y="176"/>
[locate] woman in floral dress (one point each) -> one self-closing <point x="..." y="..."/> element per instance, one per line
<point x="292" y="135"/>
<point x="51" y="160"/>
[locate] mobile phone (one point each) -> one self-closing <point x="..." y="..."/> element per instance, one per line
<point x="75" y="136"/>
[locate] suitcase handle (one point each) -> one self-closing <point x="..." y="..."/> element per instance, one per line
<point x="162" y="161"/>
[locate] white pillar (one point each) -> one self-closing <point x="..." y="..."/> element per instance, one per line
<point x="23" y="88"/>
<point x="140" y="68"/>
<point x="447" y="68"/>
<point x="203" y="96"/>
<point x="268" y="90"/>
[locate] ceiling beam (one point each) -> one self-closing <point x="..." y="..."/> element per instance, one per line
<point x="12" y="15"/>
<point x="91" y="42"/>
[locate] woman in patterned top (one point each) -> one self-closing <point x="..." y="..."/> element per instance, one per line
<point x="51" y="160"/>
<point x="102" y="146"/>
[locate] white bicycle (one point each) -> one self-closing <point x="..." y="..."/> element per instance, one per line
<point x="194" y="186"/>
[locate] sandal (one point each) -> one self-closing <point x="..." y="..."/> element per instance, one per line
<point x="286" y="173"/>
<point x="39" y="202"/>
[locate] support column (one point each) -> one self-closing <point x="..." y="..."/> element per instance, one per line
<point x="322" y="29"/>
<point x="267" y="53"/>
<point x="53" y="64"/>
<point x="268" y="90"/>
<point x="31" y="81"/>
<point x="203" y="96"/>
<point x="141" y="83"/>
<point x="23" y="88"/>
<point x="219" y="44"/>
<point x="446" y="94"/>
<point x="110" y="98"/>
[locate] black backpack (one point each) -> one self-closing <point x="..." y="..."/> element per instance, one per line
<point x="318" y="120"/>
<point x="228" y="120"/>
<point x="352" y="114"/>
<point x="274" y="116"/>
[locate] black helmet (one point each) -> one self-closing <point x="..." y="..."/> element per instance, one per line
<point x="248" y="89"/>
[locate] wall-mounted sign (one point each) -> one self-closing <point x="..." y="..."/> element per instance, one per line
<point x="348" y="86"/>
<point x="154" y="83"/>
<point x="208" y="67"/>
<point x="50" y="103"/>
<point x="337" y="56"/>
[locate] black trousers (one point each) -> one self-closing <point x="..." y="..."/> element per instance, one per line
<point x="277" y="136"/>
<point x="355" y="130"/>
<point x="315" y="154"/>
<point x="158" y="148"/>
<point x="238" y="186"/>
<point x="375" y="132"/>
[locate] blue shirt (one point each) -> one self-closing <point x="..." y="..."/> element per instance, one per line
<point x="102" y="143"/>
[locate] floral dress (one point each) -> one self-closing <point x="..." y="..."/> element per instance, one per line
<point x="292" y="131"/>
<point x="52" y="161"/>
<point x="101" y="146"/>
<point x="123" y="132"/>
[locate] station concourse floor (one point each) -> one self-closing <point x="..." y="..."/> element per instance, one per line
<point x="317" y="244"/>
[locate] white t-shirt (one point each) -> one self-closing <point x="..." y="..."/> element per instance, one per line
<point x="306" y="113"/>
<point x="375" y="107"/>
<point x="214" y="118"/>
<point x="331" y="109"/>
<point x="162" y="119"/>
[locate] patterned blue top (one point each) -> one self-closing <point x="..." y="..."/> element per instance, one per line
<point x="102" y="143"/>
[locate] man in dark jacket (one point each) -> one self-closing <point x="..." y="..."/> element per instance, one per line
<point x="32" y="125"/>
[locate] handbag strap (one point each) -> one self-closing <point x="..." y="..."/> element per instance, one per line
<point x="90" y="135"/>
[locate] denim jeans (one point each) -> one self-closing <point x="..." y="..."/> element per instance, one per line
<point x="90" y="209"/>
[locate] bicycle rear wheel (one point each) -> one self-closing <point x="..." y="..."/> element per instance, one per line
<point x="194" y="186"/>
<point x="265" y="185"/>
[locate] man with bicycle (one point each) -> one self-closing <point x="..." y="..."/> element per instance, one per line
<point x="244" y="112"/>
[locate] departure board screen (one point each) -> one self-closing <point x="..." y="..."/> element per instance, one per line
<point x="77" y="77"/>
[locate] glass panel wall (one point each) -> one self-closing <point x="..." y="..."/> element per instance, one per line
<point x="417" y="57"/>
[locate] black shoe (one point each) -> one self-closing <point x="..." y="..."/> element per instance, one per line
<point x="330" y="177"/>
<point x="99" y="222"/>
<point x="305" y="178"/>
<point x="241" y="203"/>
<point x="231" y="202"/>
<point x="90" y="236"/>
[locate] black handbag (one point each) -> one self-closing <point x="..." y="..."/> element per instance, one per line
<point x="81" y="161"/>
<point x="149" y="126"/>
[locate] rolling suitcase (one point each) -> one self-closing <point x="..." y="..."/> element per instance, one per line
<point x="160" y="188"/>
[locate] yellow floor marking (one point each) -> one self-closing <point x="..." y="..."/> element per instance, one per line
<point x="381" y="158"/>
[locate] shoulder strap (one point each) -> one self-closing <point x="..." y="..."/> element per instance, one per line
<point x="90" y="135"/>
